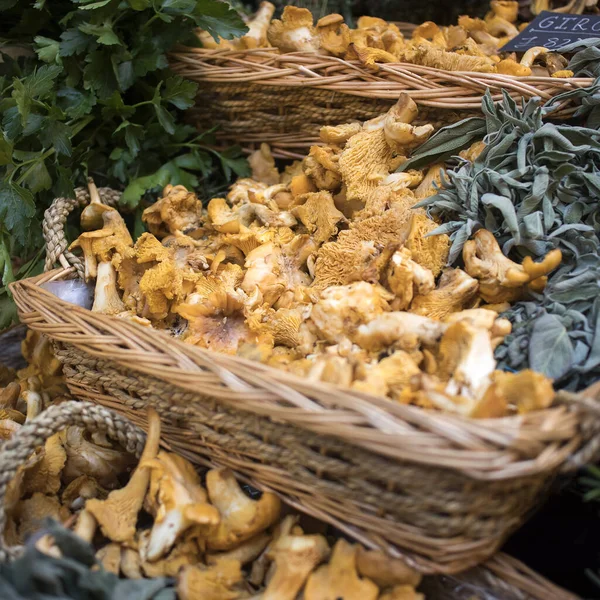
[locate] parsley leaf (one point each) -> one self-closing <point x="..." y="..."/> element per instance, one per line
<point x="17" y="206"/>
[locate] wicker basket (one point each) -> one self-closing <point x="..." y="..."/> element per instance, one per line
<point x="502" y="577"/>
<point x="260" y="95"/>
<point x="440" y="490"/>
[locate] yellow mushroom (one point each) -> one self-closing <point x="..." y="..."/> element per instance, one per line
<point x="501" y="279"/>
<point x="221" y="581"/>
<point x="102" y="244"/>
<point x="117" y="515"/>
<point x="294" y="558"/>
<point x="384" y="570"/>
<point x="241" y="517"/>
<point x="178" y="501"/>
<point x="339" y="578"/>
<point x="294" y="32"/>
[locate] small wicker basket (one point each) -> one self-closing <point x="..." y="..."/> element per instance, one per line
<point x="260" y="95"/>
<point x="502" y="577"/>
<point x="441" y="491"/>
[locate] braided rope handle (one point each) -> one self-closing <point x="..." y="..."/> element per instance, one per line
<point x="16" y="451"/>
<point x="55" y="219"/>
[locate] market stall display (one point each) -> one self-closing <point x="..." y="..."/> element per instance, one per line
<point x="200" y="537"/>
<point x="359" y="372"/>
<point x="399" y="477"/>
<point x="288" y="77"/>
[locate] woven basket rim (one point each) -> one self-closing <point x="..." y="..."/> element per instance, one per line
<point x="484" y="449"/>
<point x="428" y="86"/>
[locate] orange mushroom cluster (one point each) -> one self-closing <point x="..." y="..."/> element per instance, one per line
<point x="328" y="271"/>
<point x="471" y="45"/>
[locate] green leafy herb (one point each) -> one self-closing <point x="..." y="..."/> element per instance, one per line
<point x="92" y="95"/>
<point x="536" y="186"/>
<point x="36" y="576"/>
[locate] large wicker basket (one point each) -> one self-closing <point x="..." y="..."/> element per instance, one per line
<point x="260" y="95"/>
<point x="442" y="491"/>
<point x="500" y="578"/>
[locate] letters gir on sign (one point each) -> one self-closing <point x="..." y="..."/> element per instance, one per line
<point x="553" y="30"/>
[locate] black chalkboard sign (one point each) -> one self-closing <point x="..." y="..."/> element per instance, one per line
<point x="553" y="30"/>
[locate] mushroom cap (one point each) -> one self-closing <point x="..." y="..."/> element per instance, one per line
<point x="294" y="32"/>
<point x="221" y="581"/>
<point x="84" y="458"/>
<point x="177" y="210"/>
<point x="263" y="167"/>
<point x="241" y="517"/>
<point x="294" y="557"/>
<point x="340" y="310"/>
<point x="330" y="20"/>
<point x="454" y="292"/>
<point x="385" y="570"/>
<point x="339" y="578"/>
<point x="44" y="475"/>
<point x="178" y="501"/>
<point x="117" y="514"/>
<point x="319" y="215"/>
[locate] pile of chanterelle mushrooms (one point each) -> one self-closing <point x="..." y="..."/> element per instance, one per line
<point x="326" y="271"/>
<point x="219" y="541"/>
<point x="471" y="45"/>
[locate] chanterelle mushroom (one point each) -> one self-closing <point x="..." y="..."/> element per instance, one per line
<point x="276" y="270"/>
<point x="454" y="291"/>
<point x="102" y="244"/>
<point x="294" y="557"/>
<point x="117" y="515"/>
<point x="405" y="278"/>
<point x="241" y="517"/>
<point x="339" y="578"/>
<point x="295" y="31"/>
<point x="341" y="309"/>
<point x="221" y="581"/>
<point x="44" y="475"/>
<point x="319" y="215"/>
<point x="91" y="215"/>
<point x="258" y="26"/>
<point x="106" y="296"/>
<point x="262" y="163"/>
<point x="86" y="458"/>
<point x="466" y="358"/>
<point x="384" y="570"/>
<point x="179" y="502"/>
<point x="393" y="327"/>
<point x="501" y="279"/>
<point x="177" y="210"/>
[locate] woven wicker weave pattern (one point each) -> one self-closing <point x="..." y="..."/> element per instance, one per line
<point x="263" y="422"/>
<point x="444" y="490"/>
<point x="261" y="92"/>
<point x="506" y="577"/>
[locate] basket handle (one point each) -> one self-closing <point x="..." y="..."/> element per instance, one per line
<point x="588" y="402"/>
<point x="55" y="219"/>
<point x="16" y="451"/>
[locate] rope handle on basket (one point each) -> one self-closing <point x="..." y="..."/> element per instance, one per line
<point x="32" y="435"/>
<point x="55" y="219"/>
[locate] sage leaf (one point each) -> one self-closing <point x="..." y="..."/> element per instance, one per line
<point x="550" y="349"/>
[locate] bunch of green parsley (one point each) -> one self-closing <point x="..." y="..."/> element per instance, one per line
<point x="85" y="90"/>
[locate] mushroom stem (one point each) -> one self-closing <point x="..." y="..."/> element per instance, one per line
<point x="86" y="526"/>
<point x="91" y="216"/>
<point x="34" y="404"/>
<point x="117" y="515"/>
<point x="9" y="396"/>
